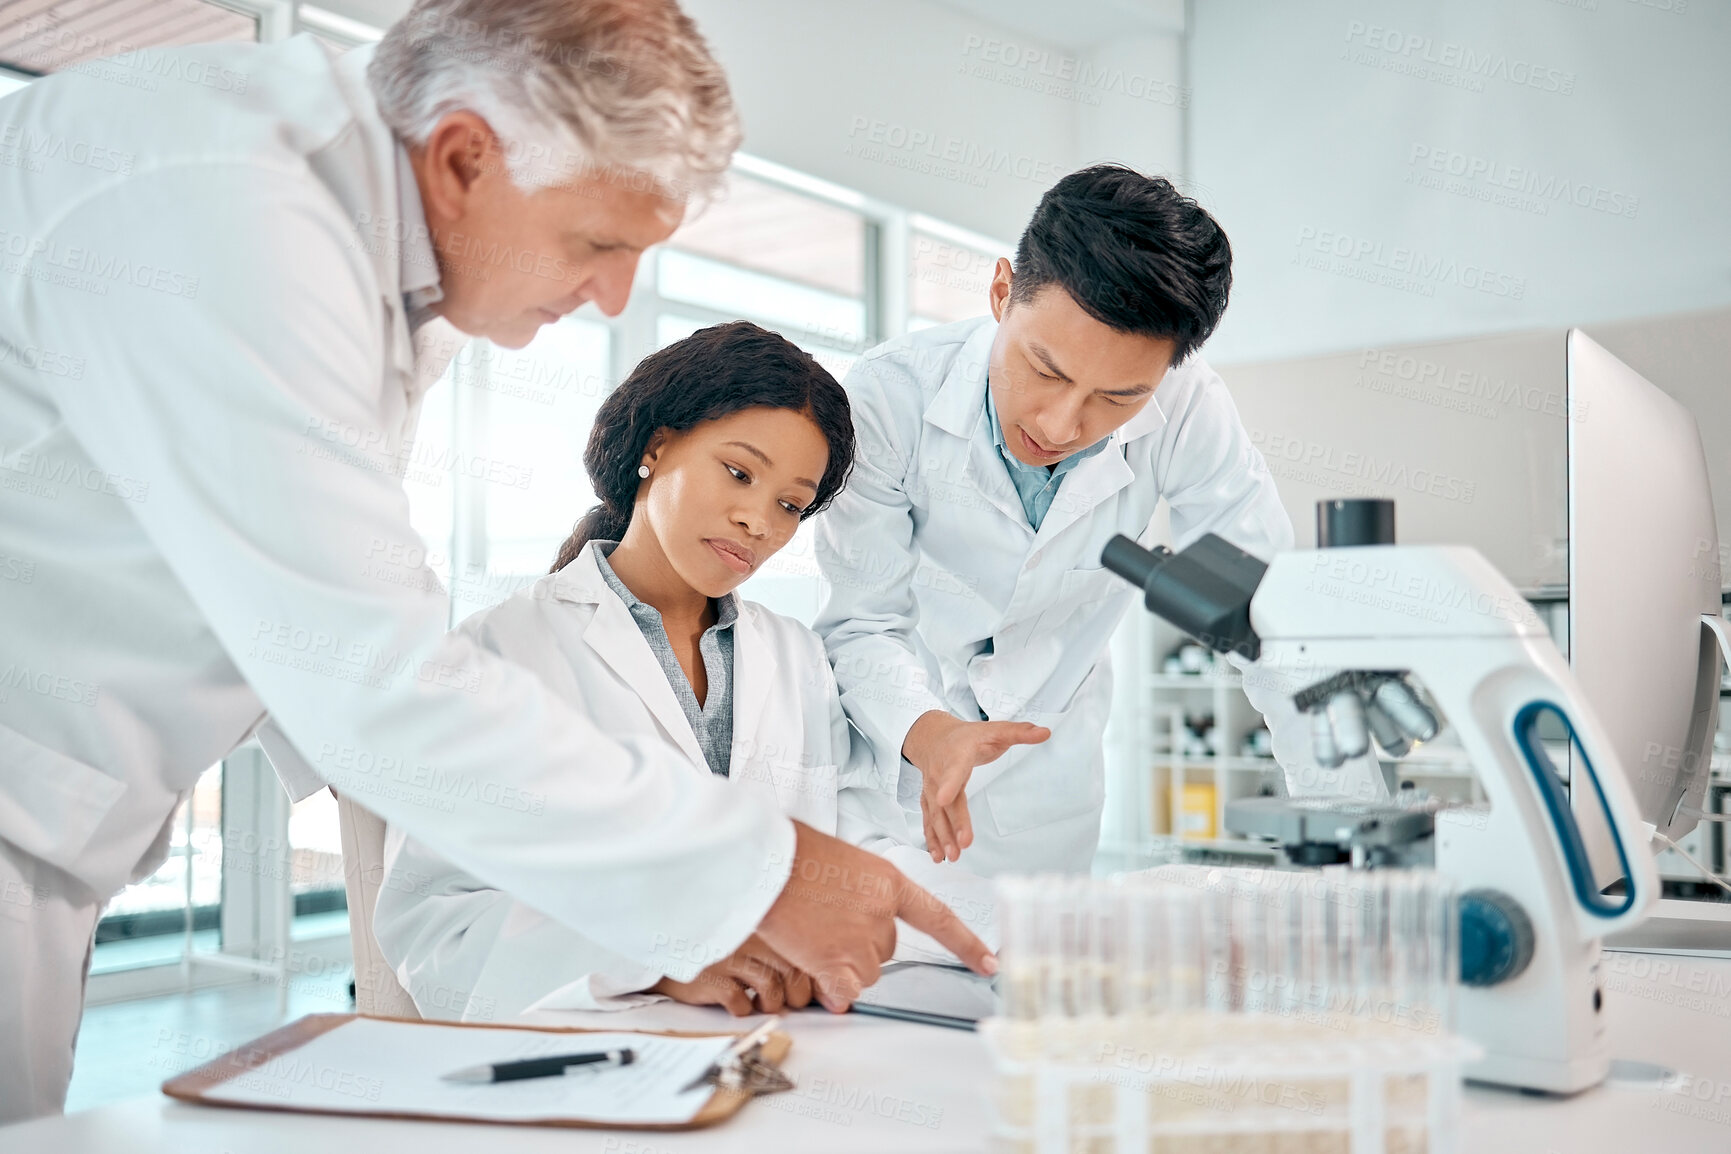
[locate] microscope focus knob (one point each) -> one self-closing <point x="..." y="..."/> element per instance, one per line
<point x="1496" y="938"/>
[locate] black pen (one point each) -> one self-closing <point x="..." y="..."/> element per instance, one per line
<point x="539" y="1067"/>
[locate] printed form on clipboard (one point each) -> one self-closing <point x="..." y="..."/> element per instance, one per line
<point x="387" y="1067"/>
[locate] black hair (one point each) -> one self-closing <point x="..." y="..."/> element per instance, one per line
<point x="1134" y="252"/>
<point x="713" y="373"/>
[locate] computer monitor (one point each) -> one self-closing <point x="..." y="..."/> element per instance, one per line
<point x="1643" y="570"/>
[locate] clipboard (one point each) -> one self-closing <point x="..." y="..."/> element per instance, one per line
<point x="195" y="1085"/>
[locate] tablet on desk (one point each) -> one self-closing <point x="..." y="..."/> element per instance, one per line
<point x="931" y="995"/>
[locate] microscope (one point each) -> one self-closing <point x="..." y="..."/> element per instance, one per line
<point x="1392" y="644"/>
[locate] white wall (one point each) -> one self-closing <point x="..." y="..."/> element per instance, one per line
<point x="881" y="96"/>
<point x="1310" y="141"/>
<point x="1142" y="100"/>
<point x="939" y="108"/>
<point x="843" y="89"/>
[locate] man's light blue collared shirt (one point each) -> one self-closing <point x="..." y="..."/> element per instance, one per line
<point x="1036" y="485"/>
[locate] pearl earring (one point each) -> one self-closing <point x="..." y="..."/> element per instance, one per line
<point x="643" y="471"/>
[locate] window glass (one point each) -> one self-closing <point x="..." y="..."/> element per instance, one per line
<point x="541" y="403"/>
<point x="738" y="292"/>
<point x="316" y="868"/>
<point x="503" y="432"/>
<point x="785" y="234"/>
<point x="71" y="36"/>
<point x="836" y="361"/>
<point x="947" y="281"/>
<point x="432" y="506"/>
<point x="335" y="31"/>
<point x="145" y="922"/>
<point x="670" y="327"/>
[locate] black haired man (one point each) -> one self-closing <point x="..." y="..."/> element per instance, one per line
<point x="969" y="618"/>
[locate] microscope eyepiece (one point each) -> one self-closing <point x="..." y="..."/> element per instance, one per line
<point x="1132" y="562"/>
<point x="1205" y="590"/>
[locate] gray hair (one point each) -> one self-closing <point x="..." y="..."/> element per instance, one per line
<point x="621" y="88"/>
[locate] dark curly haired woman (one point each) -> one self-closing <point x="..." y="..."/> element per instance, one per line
<point x="706" y="459"/>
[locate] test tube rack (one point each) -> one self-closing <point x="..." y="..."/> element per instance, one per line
<point x="1196" y="1010"/>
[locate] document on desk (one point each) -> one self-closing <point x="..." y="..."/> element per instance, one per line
<point x="373" y="1066"/>
<point x="938" y="995"/>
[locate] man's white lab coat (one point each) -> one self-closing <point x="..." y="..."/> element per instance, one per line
<point x="208" y="394"/>
<point x="466" y="950"/>
<point x="942" y="596"/>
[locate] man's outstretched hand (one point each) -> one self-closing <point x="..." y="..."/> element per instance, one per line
<point x="945" y="749"/>
<point x="836" y="918"/>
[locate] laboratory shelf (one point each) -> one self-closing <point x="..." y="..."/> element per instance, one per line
<point x="1238" y="845"/>
<point x="1199" y="761"/>
<point x="1163" y="849"/>
<point x="1413" y="767"/>
<point x="1194" y="681"/>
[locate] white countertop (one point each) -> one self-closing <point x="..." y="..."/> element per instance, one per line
<point x="872" y="1085"/>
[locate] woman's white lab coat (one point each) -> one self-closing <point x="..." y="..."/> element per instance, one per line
<point x="465" y="950"/>
<point x="942" y="596"/>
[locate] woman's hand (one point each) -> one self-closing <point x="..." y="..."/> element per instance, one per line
<point x="945" y="750"/>
<point x="754" y="979"/>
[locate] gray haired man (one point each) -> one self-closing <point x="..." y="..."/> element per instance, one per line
<point x="212" y="360"/>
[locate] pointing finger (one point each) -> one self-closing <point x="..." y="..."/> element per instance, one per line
<point x="925" y="912"/>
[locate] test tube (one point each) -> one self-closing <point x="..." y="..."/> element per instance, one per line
<point x="1260" y="959"/>
<point x="1059" y="916"/>
<point x="1164" y="940"/>
<point x="1435" y="960"/>
<point x="1375" y="990"/>
<point x="1219" y="977"/>
<point x="1446" y="954"/>
<point x="1340" y="941"/>
<point x="1306" y="931"/>
<point x="1286" y="984"/>
<point x="1090" y="921"/>
<point x="1180" y="985"/>
<point x="1020" y="982"/>
<point x="1113" y="910"/>
<point x="1343" y="943"/>
<point x="1140" y="948"/>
